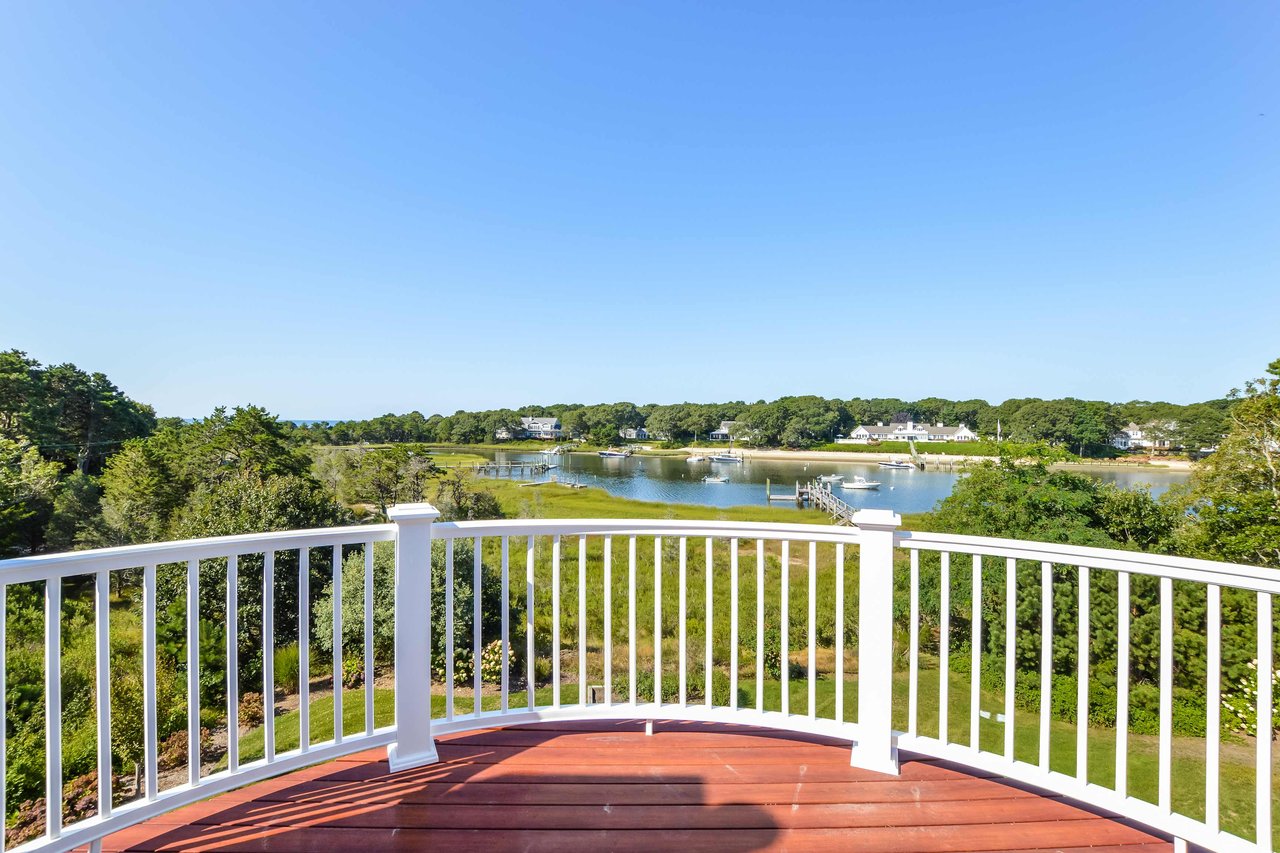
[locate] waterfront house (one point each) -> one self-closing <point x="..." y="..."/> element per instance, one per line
<point x="548" y="429"/>
<point x="634" y="433"/>
<point x="908" y="430"/>
<point x="1150" y="437"/>
<point x="727" y="431"/>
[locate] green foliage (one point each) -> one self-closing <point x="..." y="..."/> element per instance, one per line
<point x="386" y="475"/>
<point x="285" y="668"/>
<point x="1234" y="495"/>
<point x="25" y="481"/>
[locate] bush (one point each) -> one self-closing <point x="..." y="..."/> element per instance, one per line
<point x="491" y="662"/>
<point x="251" y="711"/>
<point x="352" y="673"/>
<point x="286" y="670"/>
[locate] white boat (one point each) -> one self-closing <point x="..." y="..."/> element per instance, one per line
<point x="710" y="479"/>
<point x="859" y="483"/>
<point x="897" y="464"/>
<point x="724" y="457"/>
<point x="696" y="459"/>
<point x="614" y="454"/>
<point x="831" y="478"/>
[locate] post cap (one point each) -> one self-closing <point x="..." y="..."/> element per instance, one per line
<point x="881" y="518"/>
<point x="412" y="512"/>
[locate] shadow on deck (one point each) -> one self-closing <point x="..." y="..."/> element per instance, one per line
<point x="606" y="786"/>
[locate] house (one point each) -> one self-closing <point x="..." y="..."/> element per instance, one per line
<point x="545" y="428"/>
<point x="1150" y="437"/>
<point x="908" y="430"/>
<point x="726" y="431"/>
<point x="634" y="433"/>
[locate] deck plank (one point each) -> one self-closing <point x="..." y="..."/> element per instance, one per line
<point x="570" y="787"/>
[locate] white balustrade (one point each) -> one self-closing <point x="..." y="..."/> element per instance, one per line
<point x="893" y="568"/>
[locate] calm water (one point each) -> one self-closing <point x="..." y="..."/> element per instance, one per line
<point x="673" y="480"/>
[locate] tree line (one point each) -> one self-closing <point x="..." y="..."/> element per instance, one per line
<point x="1086" y="427"/>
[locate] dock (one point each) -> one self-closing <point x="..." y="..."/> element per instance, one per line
<point x="498" y="469"/>
<point x="816" y="495"/>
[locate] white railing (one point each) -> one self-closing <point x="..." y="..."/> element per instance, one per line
<point x="699" y="639"/>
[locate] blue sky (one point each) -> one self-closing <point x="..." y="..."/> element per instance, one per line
<point x="339" y="210"/>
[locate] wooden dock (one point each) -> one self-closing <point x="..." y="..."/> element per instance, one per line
<point x="498" y="469"/>
<point x="817" y="495"/>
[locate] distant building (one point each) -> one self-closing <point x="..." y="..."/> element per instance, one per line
<point x="548" y="429"/>
<point x="726" y="432"/>
<point x="909" y="430"/>
<point x="1134" y="437"/>
<point x="634" y="433"/>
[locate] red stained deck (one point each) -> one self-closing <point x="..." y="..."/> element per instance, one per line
<point x="606" y="786"/>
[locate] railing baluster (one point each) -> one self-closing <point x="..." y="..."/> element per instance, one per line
<point x="733" y="624"/>
<point x="913" y="665"/>
<point x="477" y="626"/>
<point x="149" y="723"/>
<point x="1264" y="717"/>
<point x="555" y="621"/>
<point x="1213" y="720"/>
<point x="759" y="624"/>
<point x="944" y="648"/>
<point x="840" y="632"/>
<point x="1010" y="647"/>
<point x="975" y="671"/>
<point x="632" y="688"/>
<point x="786" y="627"/>
<point x="684" y="656"/>
<point x="338" y="716"/>
<point x="528" y="621"/>
<point x="193" y="672"/>
<point x="1082" y="678"/>
<point x="102" y="666"/>
<point x="368" y="638"/>
<point x="53" y="705"/>
<point x="1122" y="683"/>
<point x="709" y="662"/>
<point x="1166" y="695"/>
<point x="304" y="648"/>
<point x="608" y="620"/>
<point x="505" y="702"/>
<point x="269" y="653"/>
<point x="582" y="620"/>
<point x="657" y="620"/>
<point x="813" y="619"/>
<point x="448" y="629"/>
<point x="1046" y="658"/>
<point x="233" y="663"/>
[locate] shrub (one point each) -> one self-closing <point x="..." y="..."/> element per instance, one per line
<point x="352" y="673"/>
<point x="491" y="662"/>
<point x="251" y="711"/>
<point x="287" y="668"/>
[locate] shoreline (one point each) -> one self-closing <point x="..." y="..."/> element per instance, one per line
<point x="945" y="458"/>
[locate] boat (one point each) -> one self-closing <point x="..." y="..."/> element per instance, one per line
<point x="614" y="454"/>
<point x="896" y="463"/>
<point x="830" y="478"/>
<point x="696" y="459"/>
<point x="859" y="483"/>
<point x="724" y="457"/>
<point x="710" y="479"/>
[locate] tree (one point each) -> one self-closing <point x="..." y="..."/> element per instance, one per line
<point x="25" y="481"/>
<point x="386" y="475"/>
<point x="1234" y="495"/>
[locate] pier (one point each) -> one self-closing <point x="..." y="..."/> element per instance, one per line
<point x="510" y="469"/>
<point x="817" y="495"/>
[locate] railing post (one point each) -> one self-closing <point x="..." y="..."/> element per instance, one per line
<point x="414" y="746"/>
<point x="875" y="748"/>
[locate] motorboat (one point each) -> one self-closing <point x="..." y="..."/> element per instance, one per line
<point x="697" y="458"/>
<point x="614" y="454"/>
<point x="897" y="464"/>
<point x="725" y="457"/>
<point x="830" y="478"/>
<point x="859" y="483"/>
<point x="710" y="479"/>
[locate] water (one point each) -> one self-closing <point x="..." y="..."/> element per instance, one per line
<point x="673" y="480"/>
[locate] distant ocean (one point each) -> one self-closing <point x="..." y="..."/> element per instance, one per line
<point x="310" y="422"/>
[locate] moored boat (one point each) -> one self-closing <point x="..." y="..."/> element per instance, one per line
<point x="860" y="483"/>
<point x="710" y="479"/>
<point x="614" y="454"/>
<point x="724" y="457"/>
<point x="830" y="478"/>
<point x="897" y="463"/>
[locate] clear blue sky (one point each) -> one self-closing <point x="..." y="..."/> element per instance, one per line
<point x="339" y="210"/>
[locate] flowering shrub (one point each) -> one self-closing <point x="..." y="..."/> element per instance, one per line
<point x="1240" y="702"/>
<point x="491" y="662"/>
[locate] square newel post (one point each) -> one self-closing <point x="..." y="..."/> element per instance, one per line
<point x="414" y="746"/>
<point x="875" y="749"/>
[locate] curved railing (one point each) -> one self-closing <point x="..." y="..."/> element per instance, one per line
<point x="620" y="618"/>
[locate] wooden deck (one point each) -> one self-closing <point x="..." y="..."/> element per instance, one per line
<point x="606" y="786"/>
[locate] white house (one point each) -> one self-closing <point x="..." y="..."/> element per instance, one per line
<point x="544" y="428"/>
<point x="1134" y="437"/>
<point x="909" y="431"/>
<point x="726" y="431"/>
<point x="634" y="433"/>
